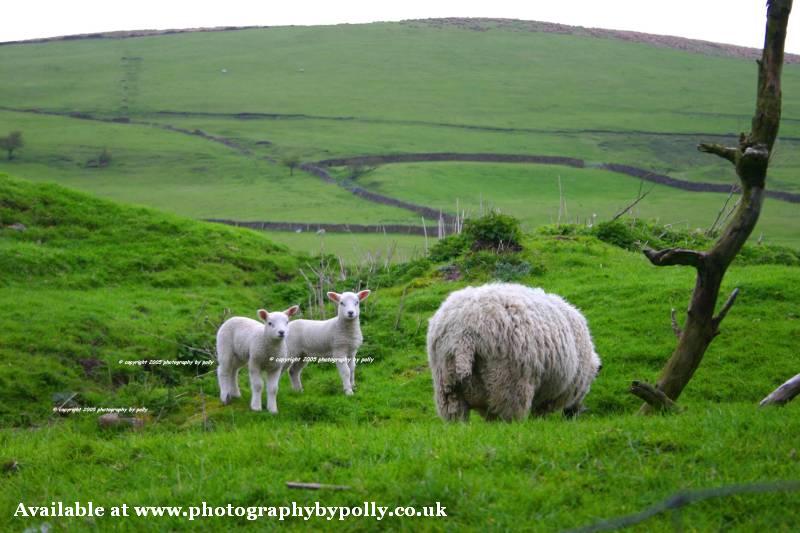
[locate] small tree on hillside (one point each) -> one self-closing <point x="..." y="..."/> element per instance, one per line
<point x="750" y="159"/>
<point x="292" y="162"/>
<point x="13" y="141"/>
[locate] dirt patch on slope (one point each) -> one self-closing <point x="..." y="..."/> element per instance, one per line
<point x="696" y="46"/>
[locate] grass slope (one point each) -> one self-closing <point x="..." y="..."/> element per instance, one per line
<point x="393" y="70"/>
<point x="100" y="283"/>
<point x="399" y="88"/>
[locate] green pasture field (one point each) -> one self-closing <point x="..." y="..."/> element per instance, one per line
<point x="91" y="284"/>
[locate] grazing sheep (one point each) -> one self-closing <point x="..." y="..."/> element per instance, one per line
<point x="338" y="338"/>
<point x="259" y="345"/>
<point x="507" y="350"/>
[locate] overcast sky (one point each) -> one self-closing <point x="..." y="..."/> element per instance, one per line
<point x="728" y="21"/>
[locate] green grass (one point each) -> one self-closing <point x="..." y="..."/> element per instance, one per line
<point x="91" y="283"/>
<point x="546" y="475"/>
<point x="403" y="88"/>
<point x="357" y="247"/>
<point x="587" y="192"/>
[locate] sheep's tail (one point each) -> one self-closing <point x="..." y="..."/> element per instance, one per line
<point x="463" y="358"/>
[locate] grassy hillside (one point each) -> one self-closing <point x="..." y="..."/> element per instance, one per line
<point x="91" y="284"/>
<point x="396" y="71"/>
<point x="381" y="88"/>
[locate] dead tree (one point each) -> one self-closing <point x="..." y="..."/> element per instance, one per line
<point x="750" y="158"/>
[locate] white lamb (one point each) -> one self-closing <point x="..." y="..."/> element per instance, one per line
<point x="507" y="350"/>
<point x="259" y="345"/>
<point x="338" y="337"/>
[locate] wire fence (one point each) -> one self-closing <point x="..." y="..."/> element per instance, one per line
<point x="681" y="499"/>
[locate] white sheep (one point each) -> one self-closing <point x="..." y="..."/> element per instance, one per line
<point x="507" y="350"/>
<point x="338" y="338"/>
<point x="259" y="345"/>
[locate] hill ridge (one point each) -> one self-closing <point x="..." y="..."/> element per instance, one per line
<point x="686" y="44"/>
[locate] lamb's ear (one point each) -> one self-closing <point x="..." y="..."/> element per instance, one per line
<point x="363" y="295"/>
<point x="292" y="310"/>
<point x="334" y="296"/>
<point x="263" y="314"/>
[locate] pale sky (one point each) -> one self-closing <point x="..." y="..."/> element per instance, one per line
<point x="728" y="21"/>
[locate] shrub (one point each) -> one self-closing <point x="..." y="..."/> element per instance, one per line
<point x="494" y="232"/>
<point x="511" y="271"/>
<point x="633" y="236"/>
<point x="449" y="247"/>
<point x="104" y="159"/>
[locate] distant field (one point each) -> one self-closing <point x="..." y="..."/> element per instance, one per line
<point x="531" y="193"/>
<point x="387" y="88"/>
<point x="180" y="173"/>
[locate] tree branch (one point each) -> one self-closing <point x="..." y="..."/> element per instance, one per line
<point x="725" y="152"/>
<point x="725" y="308"/>
<point x="653" y="396"/>
<point x="314" y="486"/>
<point x="675" y="256"/>
<point x="675" y="327"/>
<point x="639" y="198"/>
<point x="767" y="116"/>
<point x="783" y="394"/>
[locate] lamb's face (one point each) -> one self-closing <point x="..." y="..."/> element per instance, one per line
<point x="276" y="324"/>
<point x="348" y="303"/>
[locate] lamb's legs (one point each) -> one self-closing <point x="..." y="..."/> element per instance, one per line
<point x="344" y="372"/>
<point x="235" y="392"/>
<point x="224" y="379"/>
<point x="256" y="387"/>
<point x="294" y="375"/>
<point x="273" y="377"/>
<point x="351" y="363"/>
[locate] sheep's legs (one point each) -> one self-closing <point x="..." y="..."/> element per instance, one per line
<point x="294" y="375"/>
<point x="451" y="407"/>
<point x="256" y="388"/>
<point x="344" y="373"/>
<point x="273" y="378"/>
<point x="512" y="402"/>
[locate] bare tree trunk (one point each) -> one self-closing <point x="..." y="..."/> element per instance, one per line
<point x="751" y="158"/>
